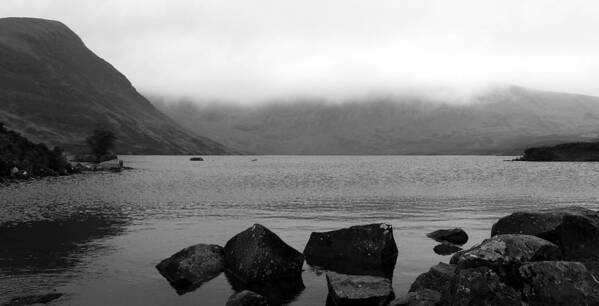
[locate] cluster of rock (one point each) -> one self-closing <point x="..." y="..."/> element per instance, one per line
<point x="532" y="258"/>
<point x="263" y="269"/>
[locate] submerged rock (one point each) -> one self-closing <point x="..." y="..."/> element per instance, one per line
<point x="455" y="236"/>
<point x="574" y="229"/>
<point x="363" y="250"/>
<point x="424" y="297"/>
<point x="437" y="278"/>
<point x="558" y="283"/>
<point x="34" y="299"/>
<point x="359" y="289"/>
<point x="246" y="298"/>
<point x="187" y="269"/>
<point x="446" y="248"/>
<point x="257" y="254"/>
<point x="482" y="286"/>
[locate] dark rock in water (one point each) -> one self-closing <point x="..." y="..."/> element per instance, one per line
<point x="34" y="299"/>
<point x="437" y="278"/>
<point x="505" y="253"/>
<point x="257" y="254"/>
<point x="574" y="229"/>
<point x="187" y="269"/>
<point x="196" y="159"/>
<point x="361" y="250"/>
<point x="280" y="291"/>
<point x="246" y="298"/>
<point x="446" y="248"/>
<point x="359" y="289"/>
<point x="424" y="297"/>
<point x="558" y="283"/>
<point x="482" y="286"/>
<point x="455" y="236"/>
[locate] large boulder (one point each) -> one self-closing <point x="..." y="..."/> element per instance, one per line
<point x="558" y="283"/>
<point x="437" y="278"/>
<point x="187" y="269"/>
<point x="362" y="250"/>
<point x="276" y="291"/>
<point x="574" y="229"/>
<point x="257" y="254"/>
<point x="246" y="298"/>
<point x="424" y="297"/>
<point x="505" y="253"/>
<point x="359" y="289"/>
<point x="481" y="286"/>
<point x="455" y="235"/>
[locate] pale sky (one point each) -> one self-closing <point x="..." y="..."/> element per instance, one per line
<point x="252" y="50"/>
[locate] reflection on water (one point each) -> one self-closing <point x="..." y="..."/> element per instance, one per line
<point x="52" y="246"/>
<point x="97" y="237"/>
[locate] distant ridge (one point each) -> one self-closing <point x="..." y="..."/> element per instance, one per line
<point x="500" y="121"/>
<point x="54" y="90"/>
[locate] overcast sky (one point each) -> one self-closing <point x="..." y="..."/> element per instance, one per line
<point x="252" y="50"/>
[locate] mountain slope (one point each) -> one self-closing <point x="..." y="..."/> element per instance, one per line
<point x="502" y="121"/>
<point x="53" y="89"/>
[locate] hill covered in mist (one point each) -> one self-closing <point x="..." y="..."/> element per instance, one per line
<point x="501" y="121"/>
<point x="54" y="90"/>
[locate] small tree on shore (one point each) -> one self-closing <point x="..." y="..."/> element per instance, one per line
<point x="101" y="142"/>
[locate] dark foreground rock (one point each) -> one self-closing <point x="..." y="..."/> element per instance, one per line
<point x="187" y="269"/>
<point x="359" y="289"/>
<point x="574" y="229"/>
<point x="246" y="298"/>
<point x="558" y="283"/>
<point x="438" y="278"/>
<point x="505" y="253"/>
<point x="362" y="250"/>
<point x="34" y="299"/>
<point x="257" y="254"/>
<point x="424" y="297"/>
<point x="482" y="286"/>
<point x="456" y="236"/>
<point x="446" y="249"/>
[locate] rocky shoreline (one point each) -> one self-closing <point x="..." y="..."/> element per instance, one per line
<point x="548" y="257"/>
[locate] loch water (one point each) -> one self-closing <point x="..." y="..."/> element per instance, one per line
<point x="97" y="236"/>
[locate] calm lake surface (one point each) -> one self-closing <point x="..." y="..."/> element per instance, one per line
<point x="97" y="236"/>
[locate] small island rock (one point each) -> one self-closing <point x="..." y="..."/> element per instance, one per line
<point x="446" y="248"/>
<point x="196" y="159"/>
<point x="258" y="254"/>
<point x="359" y="289"/>
<point x="189" y="268"/>
<point x="454" y="235"/>
<point x="363" y="249"/>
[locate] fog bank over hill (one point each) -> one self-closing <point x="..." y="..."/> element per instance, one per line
<point x="503" y="121"/>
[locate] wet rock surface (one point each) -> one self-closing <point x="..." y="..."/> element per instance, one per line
<point x="358" y="289"/>
<point x="279" y="291"/>
<point x="505" y="253"/>
<point x="257" y="254"/>
<point x="246" y="298"/>
<point x="482" y="286"/>
<point x="361" y="250"/>
<point x="558" y="283"/>
<point x="437" y="278"/>
<point x="455" y="235"/>
<point x="424" y="297"/>
<point x="187" y="269"/>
